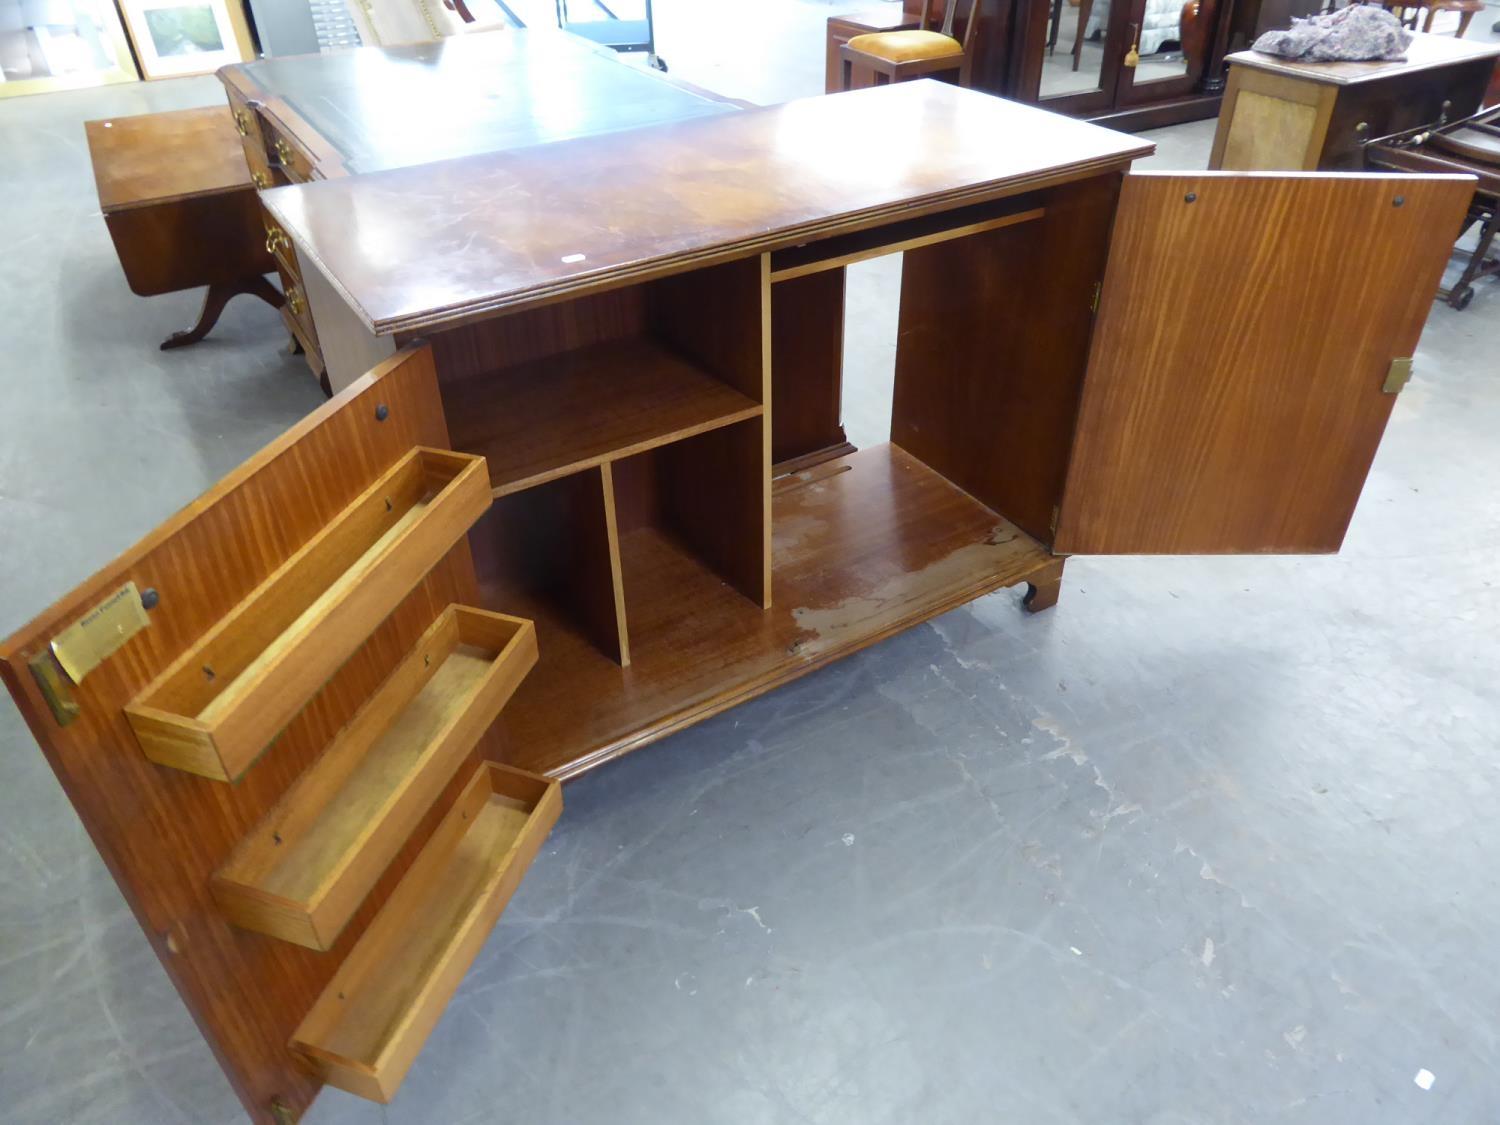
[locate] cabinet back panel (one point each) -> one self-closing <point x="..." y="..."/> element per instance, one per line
<point x="504" y="341"/>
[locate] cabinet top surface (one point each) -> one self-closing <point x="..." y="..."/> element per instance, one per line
<point x="158" y="157"/>
<point x="1427" y="52"/>
<point x="432" y="246"/>
<point x="394" y="107"/>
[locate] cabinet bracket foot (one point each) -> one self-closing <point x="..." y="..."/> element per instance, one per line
<point x="1043" y="587"/>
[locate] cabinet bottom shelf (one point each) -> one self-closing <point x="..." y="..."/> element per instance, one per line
<point x="864" y="546"/>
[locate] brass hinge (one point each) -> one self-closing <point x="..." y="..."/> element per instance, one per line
<point x="1094" y="300"/>
<point x="1397" y="377"/>
<point x="1053" y="524"/>
<point x="55" y="688"/>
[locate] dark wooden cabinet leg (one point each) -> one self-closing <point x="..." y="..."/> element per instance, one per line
<point x="1042" y="590"/>
<point x="213" y="304"/>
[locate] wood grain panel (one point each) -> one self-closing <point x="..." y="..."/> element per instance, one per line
<point x="984" y="394"/>
<point x="1233" y="401"/>
<point x="162" y="833"/>
<point x="713" y="317"/>
<point x="807" y="365"/>
<point x="552" y="417"/>
<point x="532" y="334"/>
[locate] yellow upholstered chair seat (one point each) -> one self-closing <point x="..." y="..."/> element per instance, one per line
<point x="907" y="46"/>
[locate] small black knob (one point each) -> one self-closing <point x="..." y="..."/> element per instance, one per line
<point x="382" y="412"/>
<point x="149" y="598"/>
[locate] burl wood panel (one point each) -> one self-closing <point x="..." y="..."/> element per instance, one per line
<point x="981" y="394"/>
<point x="1266" y="132"/>
<point x="163" y="832"/>
<point x="529" y="226"/>
<point x="1233" y="401"/>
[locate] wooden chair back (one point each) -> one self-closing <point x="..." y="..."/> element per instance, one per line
<point x="949" y="14"/>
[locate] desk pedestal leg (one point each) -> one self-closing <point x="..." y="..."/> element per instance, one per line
<point x="1043" y="587"/>
<point x="213" y="304"/>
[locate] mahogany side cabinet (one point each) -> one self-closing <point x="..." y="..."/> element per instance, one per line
<point x="565" y="500"/>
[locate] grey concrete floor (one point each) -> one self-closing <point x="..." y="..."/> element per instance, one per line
<point x="1212" y="841"/>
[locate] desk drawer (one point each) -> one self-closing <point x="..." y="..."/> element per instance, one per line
<point x="279" y="245"/>
<point x="296" y="307"/>
<point x="246" y="120"/>
<point x="287" y="156"/>
<point x="307" y="342"/>
<point x="261" y="171"/>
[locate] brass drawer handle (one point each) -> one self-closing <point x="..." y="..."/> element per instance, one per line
<point x="242" y="122"/>
<point x="283" y="151"/>
<point x="260" y="179"/>
<point x="294" y="300"/>
<point x="276" y="239"/>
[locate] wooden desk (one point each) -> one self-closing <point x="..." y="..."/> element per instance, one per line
<point x="1281" y="114"/>
<point x="370" y="109"/>
<point x="181" y="210"/>
<point x="595" y="405"/>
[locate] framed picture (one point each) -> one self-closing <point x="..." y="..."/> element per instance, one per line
<point x="62" y="45"/>
<point x="177" y="37"/>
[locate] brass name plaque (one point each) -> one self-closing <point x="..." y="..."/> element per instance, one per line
<point x="93" y="638"/>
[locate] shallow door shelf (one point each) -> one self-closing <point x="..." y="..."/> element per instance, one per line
<point x="216" y="707"/>
<point x="537" y="421"/>
<point x="369" y="1023"/>
<point x="307" y="867"/>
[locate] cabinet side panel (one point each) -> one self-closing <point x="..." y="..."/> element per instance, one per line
<point x="161" y="832"/>
<point x="992" y="349"/>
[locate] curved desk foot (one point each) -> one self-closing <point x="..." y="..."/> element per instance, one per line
<point x="213" y="304"/>
<point x="1043" y="588"/>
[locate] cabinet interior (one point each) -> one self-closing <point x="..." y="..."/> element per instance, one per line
<point x="639" y="517"/>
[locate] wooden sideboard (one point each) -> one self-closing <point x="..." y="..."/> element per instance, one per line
<point x="1280" y="114"/>
<point x="315" y="117"/>
<point x="567" y="512"/>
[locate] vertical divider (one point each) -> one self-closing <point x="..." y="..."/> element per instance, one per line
<point x="616" y="573"/>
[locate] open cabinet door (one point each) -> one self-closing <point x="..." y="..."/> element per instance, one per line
<point x="273" y="716"/>
<point x="1240" y="372"/>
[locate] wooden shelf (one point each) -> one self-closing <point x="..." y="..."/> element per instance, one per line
<point x="306" y="868"/>
<point x="219" y="704"/>
<point x="538" y="421"/>
<point x="373" y="1017"/>
<point x="864" y="546"/>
